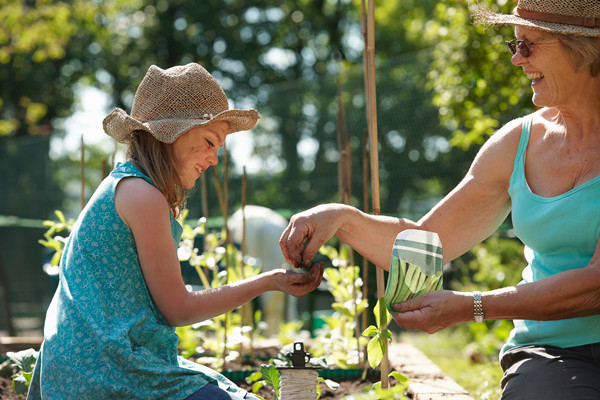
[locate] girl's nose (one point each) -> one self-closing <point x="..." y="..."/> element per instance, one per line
<point x="213" y="159"/>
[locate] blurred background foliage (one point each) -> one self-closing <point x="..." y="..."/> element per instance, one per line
<point x="444" y="84"/>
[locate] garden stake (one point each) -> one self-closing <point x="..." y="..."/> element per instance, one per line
<point x="222" y="195"/>
<point x="246" y="310"/>
<point x="373" y="148"/>
<point x="227" y="242"/>
<point x="298" y="382"/>
<point x="203" y="196"/>
<point x="345" y="184"/>
<point x="365" y="266"/>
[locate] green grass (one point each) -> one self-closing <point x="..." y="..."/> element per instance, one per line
<point x="451" y="353"/>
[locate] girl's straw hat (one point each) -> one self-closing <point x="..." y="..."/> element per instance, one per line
<point x="575" y="17"/>
<point x="170" y="102"/>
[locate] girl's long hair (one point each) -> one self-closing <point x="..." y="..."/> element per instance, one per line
<point x="156" y="159"/>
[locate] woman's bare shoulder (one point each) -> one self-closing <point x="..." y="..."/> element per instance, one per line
<point x="504" y="142"/>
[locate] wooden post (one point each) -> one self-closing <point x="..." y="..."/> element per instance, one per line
<point x="204" y="196"/>
<point x="246" y="310"/>
<point x="374" y="156"/>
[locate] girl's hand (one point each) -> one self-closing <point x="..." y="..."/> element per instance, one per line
<point x="298" y="284"/>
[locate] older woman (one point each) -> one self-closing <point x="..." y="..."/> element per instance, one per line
<point x="109" y="331"/>
<point x="543" y="168"/>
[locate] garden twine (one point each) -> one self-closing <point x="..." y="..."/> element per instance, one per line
<point x="298" y="384"/>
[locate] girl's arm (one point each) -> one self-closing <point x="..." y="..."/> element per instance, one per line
<point x="144" y="209"/>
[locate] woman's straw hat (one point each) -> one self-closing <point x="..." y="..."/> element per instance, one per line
<point x="170" y="102"/>
<point x="575" y="17"/>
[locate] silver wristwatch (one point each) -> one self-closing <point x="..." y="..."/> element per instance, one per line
<point x="477" y="307"/>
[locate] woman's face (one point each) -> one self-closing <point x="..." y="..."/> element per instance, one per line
<point x="196" y="150"/>
<point x="552" y="74"/>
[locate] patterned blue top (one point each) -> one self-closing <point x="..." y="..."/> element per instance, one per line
<point x="104" y="336"/>
<point x="560" y="233"/>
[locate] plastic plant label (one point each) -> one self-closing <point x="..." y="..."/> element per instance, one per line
<point x="416" y="266"/>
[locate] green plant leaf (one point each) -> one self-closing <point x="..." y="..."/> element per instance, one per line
<point x="401" y="378"/>
<point x="271" y="375"/>
<point x="343" y="310"/>
<point x="370" y="331"/>
<point x="254" y="377"/>
<point x="330" y="384"/>
<point x="257" y="386"/>
<point x="381" y="313"/>
<point x="375" y="350"/>
<point x="386" y="333"/>
<point x="23" y="360"/>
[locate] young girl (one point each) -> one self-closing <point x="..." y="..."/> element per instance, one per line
<point x="109" y="331"/>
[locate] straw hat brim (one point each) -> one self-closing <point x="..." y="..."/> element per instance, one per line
<point x="487" y="17"/>
<point x="119" y="125"/>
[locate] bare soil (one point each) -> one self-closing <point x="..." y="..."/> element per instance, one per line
<point x="6" y="390"/>
<point x="346" y="385"/>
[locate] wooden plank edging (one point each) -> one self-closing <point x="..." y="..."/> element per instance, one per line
<point x="428" y="382"/>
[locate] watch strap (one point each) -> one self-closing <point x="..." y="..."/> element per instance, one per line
<point x="478" y="315"/>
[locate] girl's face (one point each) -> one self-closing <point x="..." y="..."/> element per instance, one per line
<point x="196" y="150"/>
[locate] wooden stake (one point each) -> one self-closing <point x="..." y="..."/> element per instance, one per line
<point x="374" y="156"/>
<point x="246" y="310"/>
<point x="366" y="208"/>
<point x="222" y="196"/>
<point x="204" y="196"/>
<point x="228" y="242"/>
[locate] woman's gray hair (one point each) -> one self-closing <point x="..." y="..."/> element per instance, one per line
<point x="584" y="50"/>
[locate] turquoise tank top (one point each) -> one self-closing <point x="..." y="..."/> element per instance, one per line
<point x="103" y="335"/>
<point x="560" y="233"/>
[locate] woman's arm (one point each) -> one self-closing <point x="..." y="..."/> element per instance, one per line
<point x="144" y="209"/>
<point x="465" y="217"/>
<point x="569" y="294"/>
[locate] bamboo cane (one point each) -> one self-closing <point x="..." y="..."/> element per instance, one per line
<point x="366" y="203"/>
<point x="366" y="208"/>
<point x="204" y="196"/>
<point x="246" y="310"/>
<point x="228" y="242"/>
<point x="373" y="151"/>
<point x="345" y="188"/>
<point x="223" y="200"/>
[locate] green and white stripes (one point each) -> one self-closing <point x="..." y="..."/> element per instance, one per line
<point x="416" y="266"/>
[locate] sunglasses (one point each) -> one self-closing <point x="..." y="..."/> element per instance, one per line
<point x="523" y="47"/>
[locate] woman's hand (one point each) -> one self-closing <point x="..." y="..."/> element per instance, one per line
<point x="434" y="311"/>
<point x="298" y="284"/>
<point x="315" y="227"/>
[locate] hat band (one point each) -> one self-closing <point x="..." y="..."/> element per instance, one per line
<point x="588" y="22"/>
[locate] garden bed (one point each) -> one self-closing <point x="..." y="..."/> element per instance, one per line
<point x="427" y="380"/>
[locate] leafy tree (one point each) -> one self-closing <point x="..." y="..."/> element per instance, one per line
<point x="441" y="82"/>
<point x="476" y="87"/>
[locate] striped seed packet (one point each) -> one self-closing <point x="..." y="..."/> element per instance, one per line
<point x="416" y="266"/>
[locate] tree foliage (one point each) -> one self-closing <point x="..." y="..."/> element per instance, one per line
<point x="442" y="81"/>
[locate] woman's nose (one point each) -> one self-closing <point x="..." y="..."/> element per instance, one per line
<point x="517" y="59"/>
